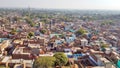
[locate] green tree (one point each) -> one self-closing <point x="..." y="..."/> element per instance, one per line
<point x="13" y="31"/>
<point x="29" y="21"/>
<point x="32" y="24"/>
<point x="108" y="22"/>
<point x="43" y="31"/>
<point x="61" y="59"/>
<point x="30" y="34"/>
<point x="44" y="62"/>
<point x="103" y="46"/>
<point x="81" y="31"/>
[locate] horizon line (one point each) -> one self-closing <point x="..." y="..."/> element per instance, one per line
<point x="58" y="8"/>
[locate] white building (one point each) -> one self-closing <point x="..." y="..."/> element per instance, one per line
<point x="84" y="42"/>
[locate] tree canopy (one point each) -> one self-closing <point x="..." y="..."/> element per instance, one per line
<point x="13" y="31"/>
<point x="61" y="59"/>
<point x="29" y="21"/>
<point x="81" y="31"/>
<point x="30" y="34"/>
<point x="109" y="22"/>
<point x="44" y="62"/>
<point x="42" y="31"/>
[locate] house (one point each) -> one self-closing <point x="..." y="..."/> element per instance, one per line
<point x="37" y="33"/>
<point x="53" y="35"/>
<point x="84" y="42"/>
<point x="59" y="41"/>
<point x="25" y="53"/>
<point x="96" y="42"/>
<point x="70" y="38"/>
<point x="67" y="27"/>
<point x="40" y="24"/>
<point x="98" y="58"/>
<point x="18" y="42"/>
<point x="2" y="39"/>
<point x="16" y="63"/>
<point x="36" y="43"/>
<point x="4" y="45"/>
<point x="107" y="63"/>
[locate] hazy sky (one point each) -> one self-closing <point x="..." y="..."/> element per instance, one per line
<point x="63" y="4"/>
